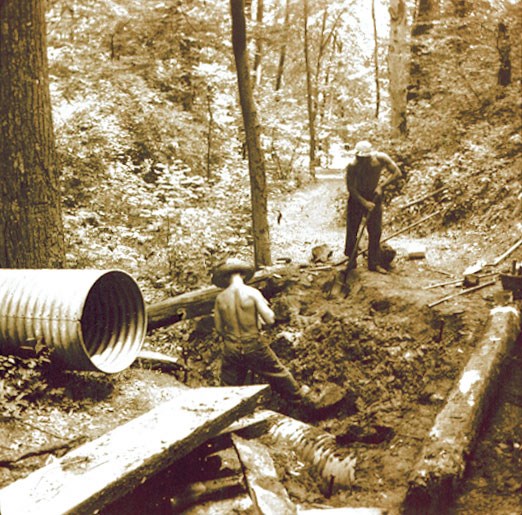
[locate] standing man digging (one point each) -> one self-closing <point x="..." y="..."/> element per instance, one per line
<point x="239" y="312"/>
<point x="363" y="175"/>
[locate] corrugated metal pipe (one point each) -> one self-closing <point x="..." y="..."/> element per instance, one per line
<point x="90" y="319"/>
<point x="335" y="466"/>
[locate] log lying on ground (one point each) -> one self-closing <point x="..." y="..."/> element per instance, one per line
<point x="201" y="302"/>
<point x="436" y="475"/>
<point x="101" y="471"/>
<point x="209" y="490"/>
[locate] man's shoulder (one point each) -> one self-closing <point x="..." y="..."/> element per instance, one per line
<point x="381" y="156"/>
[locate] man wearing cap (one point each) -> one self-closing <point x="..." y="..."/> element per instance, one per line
<point x="239" y="311"/>
<point x="363" y="175"/>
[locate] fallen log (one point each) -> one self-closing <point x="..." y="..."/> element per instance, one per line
<point x="210" y="490"/>
<point x="201" y="302"/>
<point x="436" y="476"/>
<point x="101" y="471"/>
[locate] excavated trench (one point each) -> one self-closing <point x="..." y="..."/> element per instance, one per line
<point x="394" y="359"/>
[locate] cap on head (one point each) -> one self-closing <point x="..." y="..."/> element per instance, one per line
<point x="363" y="149"/>
<point x="221" y="274"/>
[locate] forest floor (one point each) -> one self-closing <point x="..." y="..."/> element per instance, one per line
<point x="394" y="357"/>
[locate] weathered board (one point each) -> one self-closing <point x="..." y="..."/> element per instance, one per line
<point x="94" y="474"/>
<point x="265" y="488"/>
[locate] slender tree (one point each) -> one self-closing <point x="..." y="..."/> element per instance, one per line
<point x="256" y="161"/>
<point x="376" y="62"/>
<point x="504" y="54"/>
<point x="282" y="51"/>
<point x="309" y="92"/>
<point x="31" y="227"/>
<point x="398" y="64"/>
<point x="259" y="42"/>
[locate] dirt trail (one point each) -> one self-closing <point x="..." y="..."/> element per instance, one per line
<point x="308" y="218"/>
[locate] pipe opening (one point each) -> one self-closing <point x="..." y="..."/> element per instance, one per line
<point x="113" y="322"/>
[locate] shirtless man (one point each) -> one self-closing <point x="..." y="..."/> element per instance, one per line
<point x="239" y="311"/>
<point x="363" y="175"/>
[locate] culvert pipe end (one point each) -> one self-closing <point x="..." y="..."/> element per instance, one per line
<point x="90" y="319"/>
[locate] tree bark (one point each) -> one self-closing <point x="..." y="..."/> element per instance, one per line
<point x="504" y="54"/>
<point x="376" y="62"/>
<point x="31" y="227"/>
<point x="282" y="52"/>
<point x="398" y="63"/>
<point x="256" y="160"/>
<point x="425" y="13"/>
<point x="309" y="93"/>
<point x="259" y="43"/>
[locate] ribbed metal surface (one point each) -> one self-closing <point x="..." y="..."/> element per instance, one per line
<point x="92" y="319"/>
<point x="335" y="466"/>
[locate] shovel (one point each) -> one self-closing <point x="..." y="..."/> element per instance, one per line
<point x="339" y="283"/>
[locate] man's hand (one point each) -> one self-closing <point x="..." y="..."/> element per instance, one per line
<point x="378" y="192"/>
<point x="369" y="206"/>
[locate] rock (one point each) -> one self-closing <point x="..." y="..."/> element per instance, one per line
<point x="321" y="253"/>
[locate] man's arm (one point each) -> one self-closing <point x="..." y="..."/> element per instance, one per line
<point x="218" y="322"/>
<point x="262" y="307"/>
<point x="391" y="166"/>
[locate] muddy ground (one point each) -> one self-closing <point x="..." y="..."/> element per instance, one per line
<point x="394" y="357"/>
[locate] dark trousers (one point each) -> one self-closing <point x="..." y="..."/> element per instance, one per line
<point x="254" y="354"/>
<point x="354" y="214"/>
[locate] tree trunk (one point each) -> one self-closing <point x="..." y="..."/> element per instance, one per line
<point x="426" y="12"/>
<point x="282" y="53"/>
<point x="309" y="94"/>
<point x="504" y="53"/>
<point x="209" y="131"/>
<point x="376" y="62"/>
<point x="460" y="8"/>
<point x="259" y="43"/>
<point x="256" y="161"/>
<point x="398" y="63"/>
<point x="31" y="227"/>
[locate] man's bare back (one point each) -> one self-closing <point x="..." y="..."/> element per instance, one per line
<point x="240" y="309"/>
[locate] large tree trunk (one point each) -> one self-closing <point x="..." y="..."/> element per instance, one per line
<point x="282" y="52"/>
<point x="398" y="63"/>
<point x="309" y="93"/>
<point x="256" y="161"/>
<point x="425" y="13"/>
<point x="31" y="227"/>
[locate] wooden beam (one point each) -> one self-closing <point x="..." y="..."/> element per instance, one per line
<point x="201" y="302"/>
<point x="99" y="472"/>
<point x="436" y="476"/>
<point x="266" y="490"/>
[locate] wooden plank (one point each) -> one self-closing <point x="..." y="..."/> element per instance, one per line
<point x="200" y="302"/>
<point x="435" y="478"/>
<point x="94" y="474"/>
<point x="266" y="491"/>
